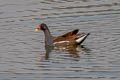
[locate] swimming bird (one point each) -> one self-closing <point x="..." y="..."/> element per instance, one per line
<point x="71" y="38"/>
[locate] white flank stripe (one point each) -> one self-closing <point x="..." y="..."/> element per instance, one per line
<point x="80" y="39"/>
<point x="60" y="42"/>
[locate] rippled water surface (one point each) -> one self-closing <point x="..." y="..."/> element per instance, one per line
<point x="22" y="51"/>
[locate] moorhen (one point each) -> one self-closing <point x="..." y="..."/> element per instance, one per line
<point x="69" y="39"/>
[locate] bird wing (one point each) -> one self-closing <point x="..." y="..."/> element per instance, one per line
<point x="70" y="33"/>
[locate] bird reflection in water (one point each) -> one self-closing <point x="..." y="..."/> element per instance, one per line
<point x="74" y="51"/>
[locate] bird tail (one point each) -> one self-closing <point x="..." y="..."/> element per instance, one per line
<point x="80" y="39"/>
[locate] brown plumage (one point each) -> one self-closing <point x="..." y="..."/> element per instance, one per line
<point x="70" y="36"/>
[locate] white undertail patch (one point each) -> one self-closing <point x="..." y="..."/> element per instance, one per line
<point x="80" y="39"/>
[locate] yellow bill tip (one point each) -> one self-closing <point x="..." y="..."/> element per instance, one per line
<point x="36" y="30"/>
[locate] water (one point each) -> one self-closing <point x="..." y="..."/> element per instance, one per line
<point x="22" y="52"/>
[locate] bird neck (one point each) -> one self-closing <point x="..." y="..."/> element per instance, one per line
<point x="48" y="38"/>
